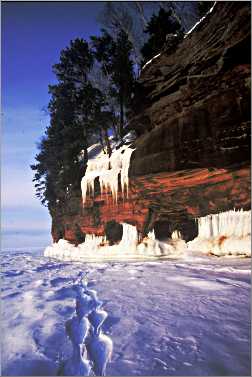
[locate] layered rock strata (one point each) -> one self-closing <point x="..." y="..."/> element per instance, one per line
<point x="191" y="113"/>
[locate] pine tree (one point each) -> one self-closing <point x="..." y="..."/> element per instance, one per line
<point x="75" y="63"/>
<point x="122" y="74"/>
<point x="114" y="55"/>
<point x="60" y="166"/>
<point x="204" y="6"/>
<point x="80" y="113"/>
<point x="158" y="27"/>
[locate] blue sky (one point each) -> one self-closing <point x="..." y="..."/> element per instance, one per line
<point x="33" y="33"/>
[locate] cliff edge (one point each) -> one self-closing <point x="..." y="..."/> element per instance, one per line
<point x="191" y="114"/>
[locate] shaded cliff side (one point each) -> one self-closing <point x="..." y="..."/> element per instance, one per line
<point x="191" y="113"/>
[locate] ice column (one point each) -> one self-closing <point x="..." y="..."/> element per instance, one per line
<point x="130" y="237"/>
<point x="151" y="235"/>
<point x="125" y="170"/>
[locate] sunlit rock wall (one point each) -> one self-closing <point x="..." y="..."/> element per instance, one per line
<point x="191" y="112"/>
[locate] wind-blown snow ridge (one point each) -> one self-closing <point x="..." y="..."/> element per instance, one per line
<point x="91" y="348"/>
<point x="199" y="22"/>
<point x="225" y="233"/>
<point x="151" y="60"/>
<point x="107" y="169"/>
<point x="186" y="34"/>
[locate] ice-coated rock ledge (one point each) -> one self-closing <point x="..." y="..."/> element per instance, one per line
<point x="96" y="248"/>
<point x="226" y="233"/>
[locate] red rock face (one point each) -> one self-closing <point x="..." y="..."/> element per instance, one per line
<point x="191" y="112"/>
<point x="174" y="199"/>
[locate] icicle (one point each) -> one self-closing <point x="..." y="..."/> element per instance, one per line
<point x="176" y="235"/>
<point x="107" y="170"/>
<point x="125" y="170"/>
<point x="95" y="168"/>
<point x="109" y="181"/>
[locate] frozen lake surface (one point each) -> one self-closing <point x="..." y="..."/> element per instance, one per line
<point x="183" y="317"/>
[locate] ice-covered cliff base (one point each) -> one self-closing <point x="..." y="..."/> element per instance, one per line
<point x="97" y="248"/>
<point x="226" y="233"/>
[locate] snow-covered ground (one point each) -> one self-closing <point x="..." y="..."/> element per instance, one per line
<point x="189" y="316"/>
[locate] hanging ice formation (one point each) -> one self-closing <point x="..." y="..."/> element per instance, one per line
<point x="224" y="233"/>
<point x="91" y="348"/>
<point x="176" y="235"/>
<point x="107" y="169"/>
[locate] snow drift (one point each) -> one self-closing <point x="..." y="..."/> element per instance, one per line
<point x="169" y="318"/>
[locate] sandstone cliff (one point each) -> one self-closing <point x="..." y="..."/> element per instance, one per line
<point x="191" y="113"/>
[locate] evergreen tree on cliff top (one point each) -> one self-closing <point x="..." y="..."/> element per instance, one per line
<point x="60" y="163"/>
<point x="204" y="6"/>
<point x="114" y="55"/>
<point x="158" y="27"/>
<point x="80" y="114"/>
